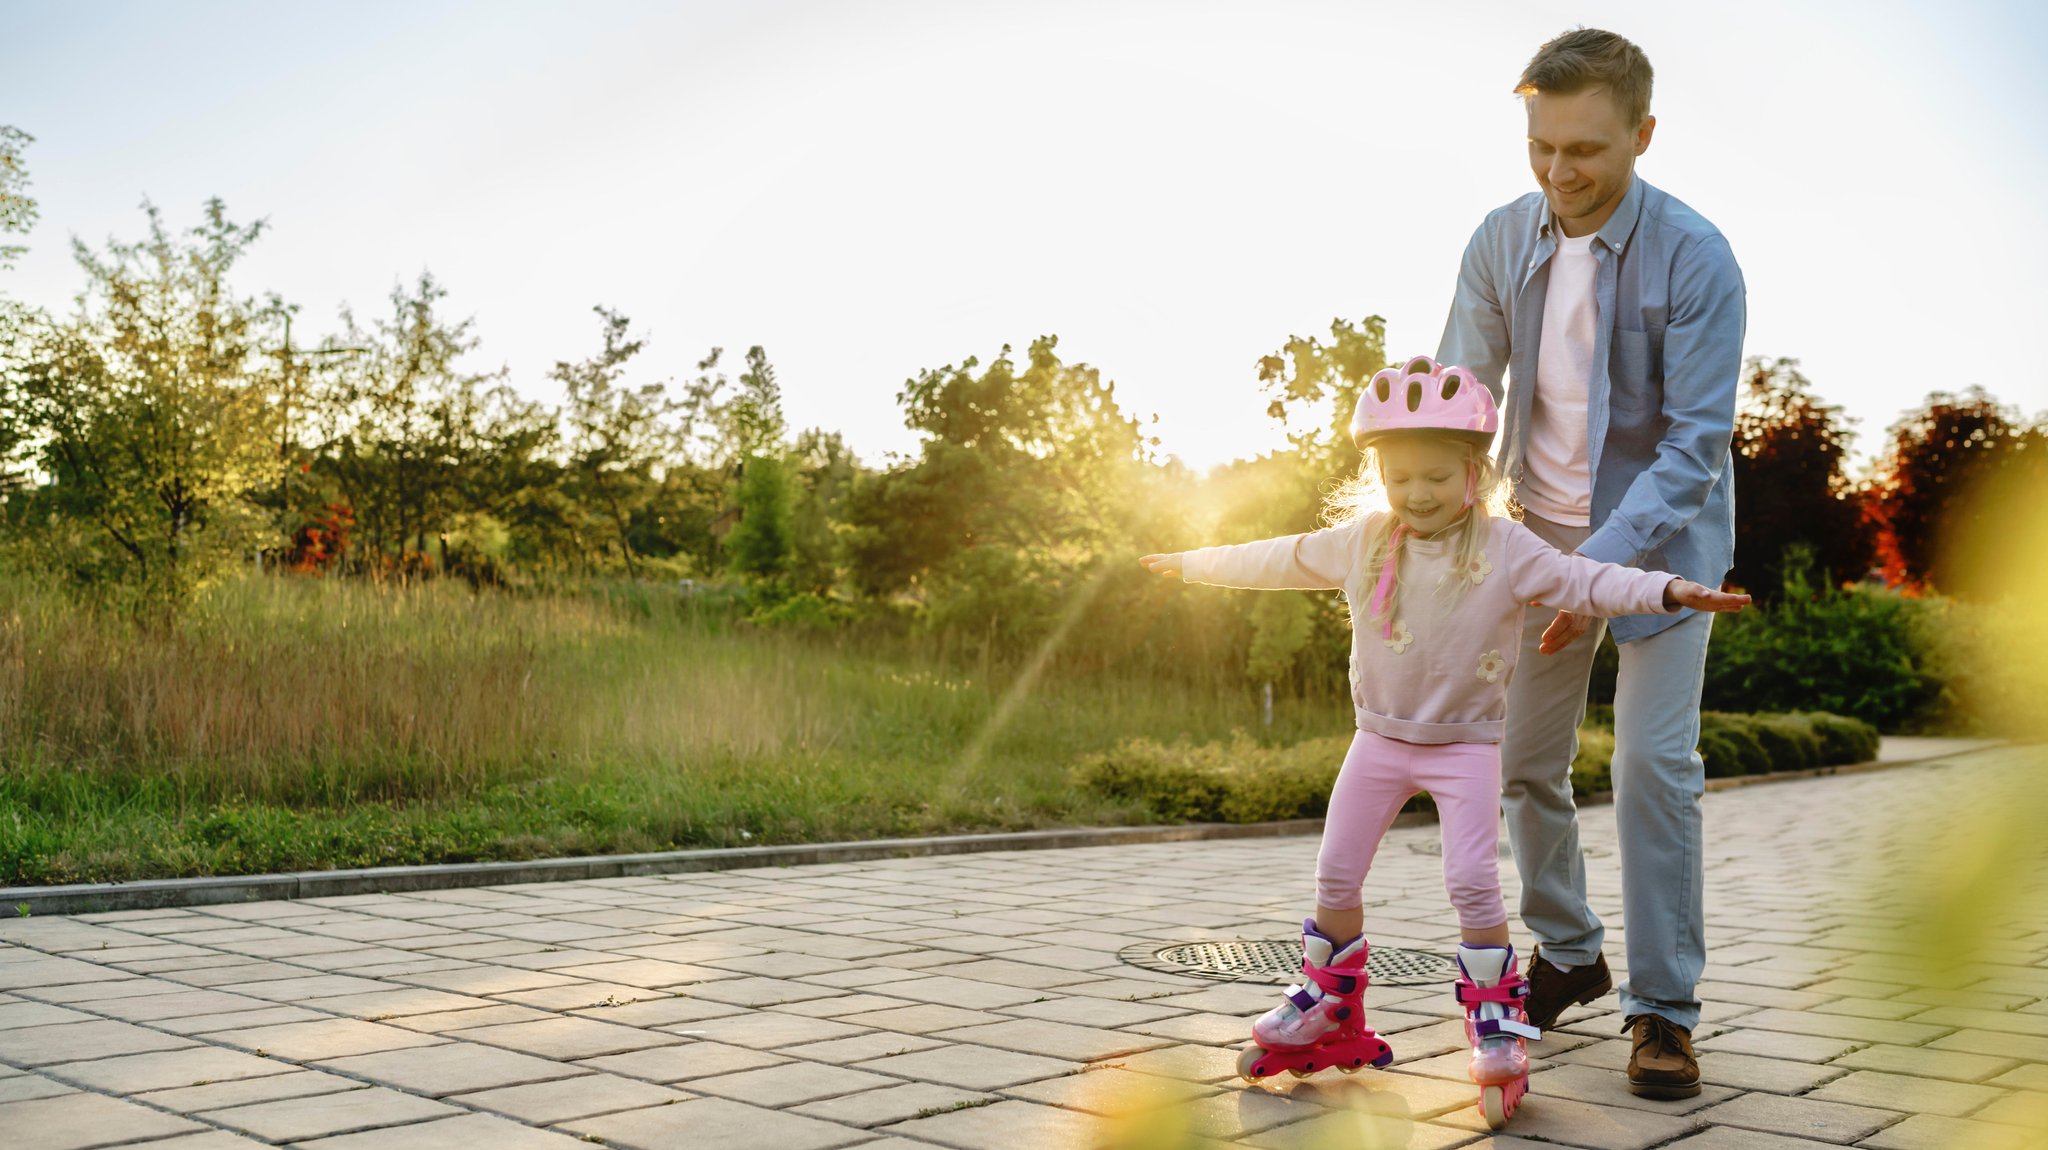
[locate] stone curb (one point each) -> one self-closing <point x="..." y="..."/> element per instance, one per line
<point x="151" y="894"/>
<point x="155" y="893"/>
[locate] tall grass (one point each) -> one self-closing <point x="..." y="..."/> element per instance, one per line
<point x="303" y="722"/>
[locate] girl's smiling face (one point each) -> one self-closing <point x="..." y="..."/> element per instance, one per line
<point x="1426" y="478"/>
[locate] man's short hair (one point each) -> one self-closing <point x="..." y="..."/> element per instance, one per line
<point x="1590" y="58"/>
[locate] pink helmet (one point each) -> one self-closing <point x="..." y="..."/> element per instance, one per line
<point x="1425" y="396"/>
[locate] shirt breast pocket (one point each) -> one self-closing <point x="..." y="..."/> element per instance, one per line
<point x="1635" y="374"/>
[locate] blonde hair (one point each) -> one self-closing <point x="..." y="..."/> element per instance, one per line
<point x="1366" y="492"/>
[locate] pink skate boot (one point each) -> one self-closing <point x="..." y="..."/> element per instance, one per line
<point x="1491" y="990"/>
<point x="1322" y="1023"/>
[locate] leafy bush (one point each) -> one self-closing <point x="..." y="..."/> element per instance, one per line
<point x="1863" y="652"/>
<point x="1592" y="767"/>
<point x="1235" y="782"/>
<point x="1842" y="740"/>
<point x="1732" y="750"/>
<point x="1788" y="742"/>
<point x="803" y="612"/>
<point x="1241" y="781"/>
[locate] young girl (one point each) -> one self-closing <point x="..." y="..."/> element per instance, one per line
<point x="1443" y="576"/>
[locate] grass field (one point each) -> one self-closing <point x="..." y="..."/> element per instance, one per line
<point x="301" y="723"/>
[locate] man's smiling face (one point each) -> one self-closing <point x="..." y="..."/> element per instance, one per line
<point x="1583" y="154"/>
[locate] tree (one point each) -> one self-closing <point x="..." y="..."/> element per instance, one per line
<point x="405" y="424"/>
<point x="1315" y="385"/>
<point x="1790" y="484"/>
<point x="733" y="421"/>
<point x="149" y="408"/>
<point x="823" y="470"/>
<point x="759" y="544"/>
<point x="1023" y="487"/>
<point x="1952" y="470"/>
<point x="17" y="216"/>
<point x="17" y="210"/>
<point x="618" y="437"/>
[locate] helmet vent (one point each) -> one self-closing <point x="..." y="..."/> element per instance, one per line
<point x="1414" y="396"/>
<point x="1452" y="380"/>
<point x="1380" y="388"/>
<point x="1420" y="365"/>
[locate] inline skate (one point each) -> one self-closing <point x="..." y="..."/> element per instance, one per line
<point x="1491" y="989"/>
<point x="1322" y="1023"/>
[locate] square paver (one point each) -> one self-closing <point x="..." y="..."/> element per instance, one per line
<point x="970" y="1067"/>
<point x="161" y="1070"/>
<point x="546" y="1103"/>
<point x="81" y="1121"/>
<point x="1576" y="1123"/>
<point x="331" y="1038"/>
<point x="453" y="1068"/>
<point x="1800" y="1117"/>
<point x="467" y="1132"/>
<point x="788" y="1084"/>
<point x="319" y="1115"/>
<point x="717" y="1122"/>
<point x="768" y="1029"/>
<point x="18" y="1087"/>
<point x="892" y="1104"/>
<point x="243" y="1091"/>
<point x="568" y="1038"/>
<point x="76" y="1041"/>
<point x="1011" y="1123"/>
<point x="681" y="1063"/>
<point x="1055" y="1039"/>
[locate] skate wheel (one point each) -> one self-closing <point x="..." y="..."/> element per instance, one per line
<point x="1299" y="1073"/>
<point x="1350" y="1069"/>
<point x="1493" y="1103"/>
<point x="1248" y="1063"/>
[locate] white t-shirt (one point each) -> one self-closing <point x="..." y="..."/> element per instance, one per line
<point x="1557" y="481"/>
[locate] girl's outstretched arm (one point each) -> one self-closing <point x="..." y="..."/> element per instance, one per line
<point x="1315" y="561"/>
<point x="1167" y="565"/>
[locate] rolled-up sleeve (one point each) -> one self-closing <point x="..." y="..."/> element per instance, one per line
<point x="1702" y="365"/>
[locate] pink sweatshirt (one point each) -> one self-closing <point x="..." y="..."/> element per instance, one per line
<point x="1443" y="676"/>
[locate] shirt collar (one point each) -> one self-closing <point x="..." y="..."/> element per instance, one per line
<point x="1619" y="227"/>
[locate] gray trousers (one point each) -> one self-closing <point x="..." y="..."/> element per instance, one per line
<point x="1658" y="780"/>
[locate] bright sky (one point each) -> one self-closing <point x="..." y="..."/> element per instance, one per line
<point x="1173" y="187"/>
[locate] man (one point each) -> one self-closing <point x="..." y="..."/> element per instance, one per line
<point x="1616" y="314"/>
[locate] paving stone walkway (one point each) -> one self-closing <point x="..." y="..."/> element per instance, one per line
<point x="978" y="1001"/>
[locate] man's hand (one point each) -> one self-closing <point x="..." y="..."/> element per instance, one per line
<point x="1686" y="593"/>
<point x="1167" y="565"/>
<point x="1563" y="632"/>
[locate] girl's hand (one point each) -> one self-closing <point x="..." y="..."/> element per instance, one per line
<point x="1167" y="565"/>
<point x="1686" y="593"/>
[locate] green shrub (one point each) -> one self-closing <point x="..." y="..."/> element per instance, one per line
<point x="1788" y="741"/>
<point x="1234" y="782"/>
<point x="1864" y="652"/>
<point x="1241" y="781"/>
<point x="1592" y="767"/>
<point x="1730" y="750"/>
<point x="1842" y="740"/>
<point x="804" y="612"/>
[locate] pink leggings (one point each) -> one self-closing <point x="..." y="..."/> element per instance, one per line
<point x="1379" y="775"/>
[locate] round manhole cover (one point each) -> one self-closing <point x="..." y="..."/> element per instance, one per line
<point x="1278" y="961"/>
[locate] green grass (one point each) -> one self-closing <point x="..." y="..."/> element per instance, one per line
<point x="304" y="724"/>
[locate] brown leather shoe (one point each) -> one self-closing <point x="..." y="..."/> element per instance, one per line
<point x="1552" y="990"/>
<point x="1660" y="1058"/>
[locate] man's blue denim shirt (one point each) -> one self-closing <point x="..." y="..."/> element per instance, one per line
<point x="1667" y="356"/>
